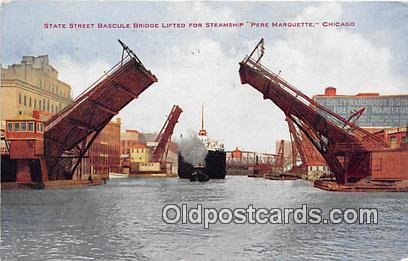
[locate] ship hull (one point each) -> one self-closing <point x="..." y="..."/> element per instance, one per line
<point x="214" y="166"/>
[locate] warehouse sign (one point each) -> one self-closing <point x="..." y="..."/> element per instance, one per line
<point x="381" y="111"/>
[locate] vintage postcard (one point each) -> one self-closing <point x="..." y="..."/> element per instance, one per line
<point x="204" y="130"/>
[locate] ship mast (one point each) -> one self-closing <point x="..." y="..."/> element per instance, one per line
<point x="202" y="131"/>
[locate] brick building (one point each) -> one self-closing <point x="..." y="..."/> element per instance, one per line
<point x="130" y="139"/>
<point x="381" y="111"/>
<point x="384" y="115"/>
<point x="104" y="153"/>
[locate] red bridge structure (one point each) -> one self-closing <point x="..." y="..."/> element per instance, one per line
<point x="358" y="159"/>
<point x="240" y="159"/>
<point x="161" y="150"/>
<point x="278" y="171"/>
<point x="278" y="165"/>
<point x="256" y="164"/>
<point x="67" y="135"/>
<point x="304" y="154"/>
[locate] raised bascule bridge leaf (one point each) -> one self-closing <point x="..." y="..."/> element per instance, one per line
<point x="69" y="133"/>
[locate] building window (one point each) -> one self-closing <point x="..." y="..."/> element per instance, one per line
<point x="52" y="108"/>
<point x="19" y="98"/>
<point x="43" y="105"/>
<point x="40" y="127"/>
<point x="39" y="104"/>
<point x="29" y="102"/>
<point x="9" y="126"/>
<point x="35" y="103"/>
<point x="16" y="126"/>
<point x="31" y="126"/>
<point x="48" y="105"/>
<point x="25" y="100"/>
<point x="24" y="126"/>
<point x="393" y="142"/>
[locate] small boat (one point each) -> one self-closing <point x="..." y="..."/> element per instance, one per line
<point x="199" y="175"/>
<point x="118" y="175"/>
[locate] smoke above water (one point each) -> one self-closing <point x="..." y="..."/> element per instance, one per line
<point x="193" y="150"/>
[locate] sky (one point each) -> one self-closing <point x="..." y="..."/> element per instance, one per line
<point x="200" y="66"/>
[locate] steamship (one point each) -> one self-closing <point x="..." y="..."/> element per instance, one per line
<point x="214" y="161"/>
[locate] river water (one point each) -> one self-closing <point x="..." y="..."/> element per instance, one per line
<point x="123" y="221"/>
